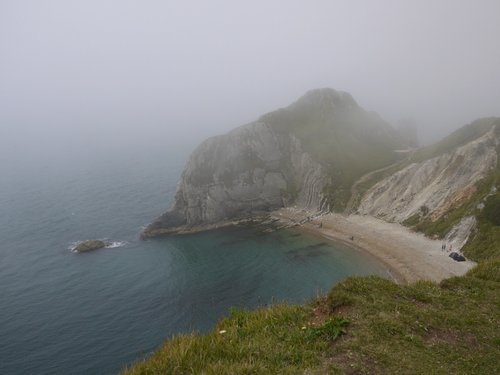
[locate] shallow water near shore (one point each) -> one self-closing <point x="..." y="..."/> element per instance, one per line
<point x="94" y="313"/>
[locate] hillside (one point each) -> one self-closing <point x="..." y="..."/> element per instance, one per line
<point x="431" y="186"/>
<point x="307" y="154"/>
<point x="369" y="325"/>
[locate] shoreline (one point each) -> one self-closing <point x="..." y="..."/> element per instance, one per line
<point x="149" y="232"/>
<point x="394" y="274"/>
<point x="408" y="256"/>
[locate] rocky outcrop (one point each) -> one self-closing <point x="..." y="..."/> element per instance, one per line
<point x="458" y="235"/>
<point x="277" y="161"/>
<point x="250" y="170"/>
<point x="90" y="245"/>
<point x="433" y="187"/>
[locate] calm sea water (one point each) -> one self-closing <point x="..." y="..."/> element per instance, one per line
<point x="94" y="313"/>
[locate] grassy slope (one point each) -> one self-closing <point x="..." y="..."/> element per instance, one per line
<point x="264" y="341"/>
<point x="424" y="328"/>
<point x="419" y="329"/>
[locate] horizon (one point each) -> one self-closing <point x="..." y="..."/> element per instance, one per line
<point x="90" y="74"/>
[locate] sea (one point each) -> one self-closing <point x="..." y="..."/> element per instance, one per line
<point x="99" y="312"/>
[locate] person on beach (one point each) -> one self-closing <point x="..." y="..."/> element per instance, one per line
<point x="443" y="246"/>
<point x="450" y="247"/>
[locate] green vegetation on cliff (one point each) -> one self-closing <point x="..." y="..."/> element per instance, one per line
<point x="456" y="139"/>
<point x="340" y="135"/>
<point x="423" y="328"/>
<point x="484" y="205"/>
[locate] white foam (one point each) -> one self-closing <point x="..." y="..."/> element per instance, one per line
<point x="73" y="245"/>
<point x="114" y="244"/>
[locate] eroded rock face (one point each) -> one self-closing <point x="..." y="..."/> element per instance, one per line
<point x="300" y="155"/>
<point x="264" y="165"/>
<point x="249" y="170"/>
<point x="458" y="235"/>
<point x="90" y="245"/>
<point x="438" y="184"/>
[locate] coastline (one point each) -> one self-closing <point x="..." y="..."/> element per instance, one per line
<point x="150" y="232"/>
<point x="409" y="256"/>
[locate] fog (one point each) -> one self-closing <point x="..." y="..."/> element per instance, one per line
<point x="107" y="75"/>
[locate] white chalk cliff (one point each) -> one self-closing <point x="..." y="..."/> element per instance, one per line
<point x="312" y="152"/>
<point x="438" y="184"/>
<point x="279" y="160"/>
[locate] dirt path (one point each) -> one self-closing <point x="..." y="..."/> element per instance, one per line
<point x="410" y="256"/>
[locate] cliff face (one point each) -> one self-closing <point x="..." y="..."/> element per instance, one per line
<point x="311" y="153"/>
<point x="286" y="157"/>
<point x="248" y="170"/>
<point x="434" y="186"/>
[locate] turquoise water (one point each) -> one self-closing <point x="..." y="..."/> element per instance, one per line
<point x="95" y="313"/>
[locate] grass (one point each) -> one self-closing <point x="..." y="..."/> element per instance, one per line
<point x="366" y="325"/>
<point x="267" y="341"/>
<point x="484" y="243"/>
<point x="424" y="328"/>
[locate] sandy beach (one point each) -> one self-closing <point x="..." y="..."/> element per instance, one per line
<point x="409" y="256"/>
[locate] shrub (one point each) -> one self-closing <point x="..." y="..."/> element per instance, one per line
<point x="491" y="211"/>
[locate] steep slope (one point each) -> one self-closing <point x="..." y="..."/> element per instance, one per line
<point x="433" y="186"/>
<point x="307" y="154"/>
<point x="444" y="180"/>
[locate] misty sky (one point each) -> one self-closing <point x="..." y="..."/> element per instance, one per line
<point x="118" y="71"/>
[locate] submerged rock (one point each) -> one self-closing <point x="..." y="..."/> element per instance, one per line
<point x="90" y="245"/>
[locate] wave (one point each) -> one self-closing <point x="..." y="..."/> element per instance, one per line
<point x="73" y="245"/>
<point x="115" y="244"/>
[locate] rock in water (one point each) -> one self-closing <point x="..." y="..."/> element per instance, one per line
<point x="90" y="245"/>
